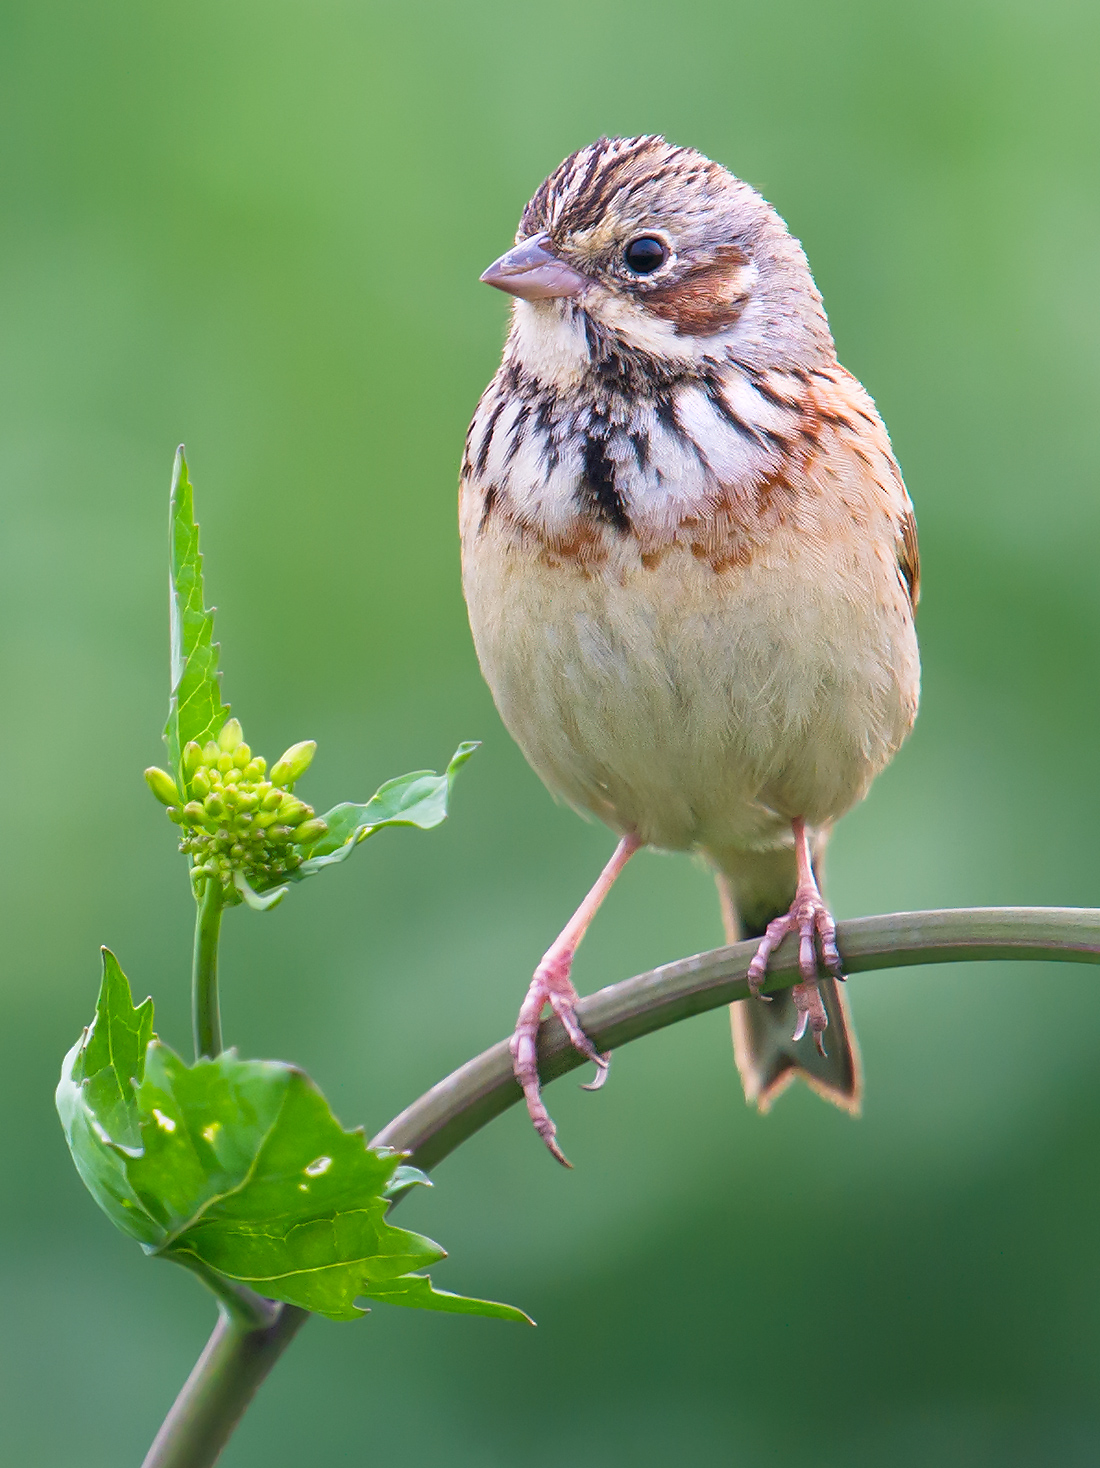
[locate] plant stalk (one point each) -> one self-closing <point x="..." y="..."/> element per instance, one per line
<point x="215" y="1395"/>
<point x="206" y="1019"/>
<point x="444" y="1117"/>
<point x="243" y="1306"/>
<point x="237" y="1358"/>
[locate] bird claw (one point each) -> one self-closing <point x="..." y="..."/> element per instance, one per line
<point x="551" y="985"/>
<point x="603" y="1070"/>
<point x="811" y="1014"/>
<point x="811" y="920"/>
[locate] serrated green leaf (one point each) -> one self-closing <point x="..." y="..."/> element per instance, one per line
<point x="95" y="1098"/>
<point x="195" y="709"/>
<point x="240" y="1166"/>
<point x="416" y="1291"/>
<point x="419" y="799"/>
<point x="113" y="1056"/>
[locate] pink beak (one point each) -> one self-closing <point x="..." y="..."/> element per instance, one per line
<point x="531" y="270"/>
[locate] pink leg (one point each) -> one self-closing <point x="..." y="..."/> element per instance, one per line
<point x="812" y="921"/>
<point x="552" y="983"/>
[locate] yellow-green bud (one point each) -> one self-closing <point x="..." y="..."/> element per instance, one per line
<point x="294" y="763"/>
<point x="162" y="785"/>
<point x="240" y="817"/>
<point x="293" y="811"/>
<point x="231" y="735"/>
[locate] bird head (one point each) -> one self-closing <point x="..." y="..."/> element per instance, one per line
<point x="635" y="246"/>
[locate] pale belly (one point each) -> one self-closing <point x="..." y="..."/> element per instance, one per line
<point x="692" y="708"/>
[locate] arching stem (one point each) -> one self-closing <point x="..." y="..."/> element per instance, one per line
<point x="237" y="1357"/>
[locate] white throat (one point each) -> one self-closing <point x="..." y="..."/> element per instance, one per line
<point x="551" y="344"/>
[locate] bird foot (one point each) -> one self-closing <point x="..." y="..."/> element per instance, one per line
<point x="812" y="921"/>
<point x="551" y="985"/>
<point x="811" y="1012"/>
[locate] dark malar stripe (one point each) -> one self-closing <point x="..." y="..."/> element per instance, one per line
<point x="718" y="402"/>
<point x="515" y="436"/>
<point x="487" y="507"/>
<point x="763" y="387"/>
<point x="487" y="437"/>
<point x="545" y="423"/>
<point x="596" y="494"/>
<point x="665" y="409"/>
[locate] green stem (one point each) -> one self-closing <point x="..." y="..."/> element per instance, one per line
<point x="237" y="1358"/>
<point x="215" y="1395"/>
<point x="243" y="1306"/>
<point x="206" y="1020"/>
<point x="473" y="1095"/>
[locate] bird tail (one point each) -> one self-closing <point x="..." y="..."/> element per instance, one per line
<point x="754" y="888"/>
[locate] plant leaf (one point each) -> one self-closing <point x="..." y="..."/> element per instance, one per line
<point x="241" y="1166"/>
<point x="96" y="1099"/>
<point x="259" y="901"/>
<point x="195" y="710"/>
<point x="113" y="1055"/>
<point x="404" y="1180"/>
<point x="419" y="799"/>
<point x="417" y="1291"/>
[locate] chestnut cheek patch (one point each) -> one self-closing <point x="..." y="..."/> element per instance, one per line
<point x="709" y="299"/>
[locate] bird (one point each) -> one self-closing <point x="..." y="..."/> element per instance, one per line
<point x="691" y="570"/>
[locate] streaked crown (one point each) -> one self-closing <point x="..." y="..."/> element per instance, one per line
<point x="666" y="252"/>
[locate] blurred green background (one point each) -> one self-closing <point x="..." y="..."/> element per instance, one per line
<point x="259" y="228"/>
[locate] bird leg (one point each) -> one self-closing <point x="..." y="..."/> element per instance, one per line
<point x="812" y="921"/>
<point x="553" y="985"/>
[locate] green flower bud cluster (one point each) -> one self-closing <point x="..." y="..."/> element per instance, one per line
<point x="235" y="816"/>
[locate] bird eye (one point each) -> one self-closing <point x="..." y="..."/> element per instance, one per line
<point x="645" y="255"/>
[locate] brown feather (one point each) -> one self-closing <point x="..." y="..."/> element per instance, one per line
<point x="707" y="300"/>
<point x="909" y="557"/>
